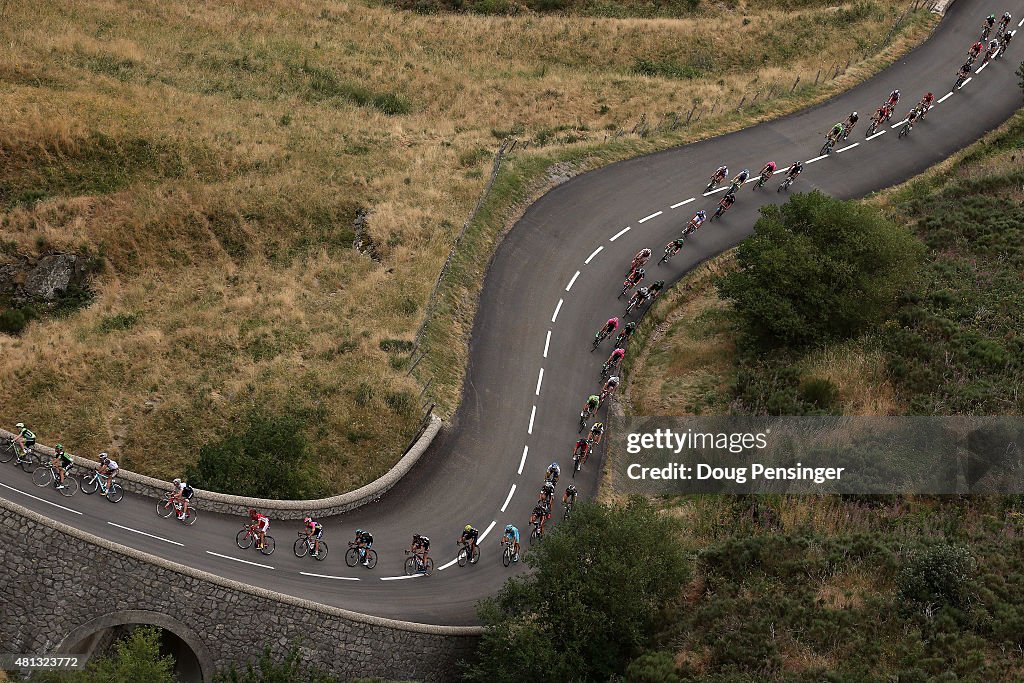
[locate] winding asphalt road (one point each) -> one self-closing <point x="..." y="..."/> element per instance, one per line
<point x="552" y="284"/>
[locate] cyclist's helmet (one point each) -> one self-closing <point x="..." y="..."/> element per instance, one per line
<point x="641" y="271"/>
<point x="631" y="325"/>
<point x="508" y="528"/>
<point x="746" y="171"/>
<point x="359" y="532"/>
<point x="104" y="457"/>
<point x="702" y="215"/>
<point x="58" y="449"/>
<point x="553" y="466"/>
<point x="468" y="527"/>
<point x="660" y="283"/>
<point x="177" y="481"/>
<point x="854" y="115"/>
<point x="1006" y="15"/>
<point x="306" y="520"/>
<point x="252" y="514"/>
<point x="571" y="489"/>
<point x="598" y="425"/>
<point x="20" y="425"/>
<point x="990" y="18"/>
<point x="548" y="487"/>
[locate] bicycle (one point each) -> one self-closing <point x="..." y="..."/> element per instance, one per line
<point x="606" y="372"/>
<point x="761" y="181"/>
<point x="24" y="455"/>
<point x="620" y="340"/>
<point x="46" y="475"/>
<point x="790" y="179"/>
<point x="634" y="302"/>
<point x="628" y="285"/>
<point x="715" y="182"/>
<point x="872" y="127"/>
<point x="599" y="338"/>
<point x="671" y="249"/>
<point x="905" y="130"/>
<point x="248" y="535"/>
<point x="960" y="80"/>
<point x="718" y="212"/>
<point x="169" y="505"/>
<point x="584" y="417"/>
<point x="94" y="482"/>
<point x="535" y="533"/>
<point x="830" y="142"/>
<point x="352" y="555"/>
<point x="578" y="459"/>
<point x="305" y="544"/>
<point x="464" y="553"/>
<point x="415" y="565"/>
<point x="568" y="508"/>
<point x="507" y="556"/>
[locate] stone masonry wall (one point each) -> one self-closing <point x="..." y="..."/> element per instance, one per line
<point x="41" y="558"/>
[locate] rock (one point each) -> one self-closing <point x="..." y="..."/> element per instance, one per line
<point x="50" y="277"/>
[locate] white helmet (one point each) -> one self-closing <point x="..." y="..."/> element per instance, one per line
<point x="177" y="481"/>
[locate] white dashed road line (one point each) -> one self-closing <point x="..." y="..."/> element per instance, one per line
<point x="968" y="81"/>
<point x="159" y="538"/>
<point x="647" y="218"/>
<point x="572" y="281"/>
<point x="235" y="559"/>
<point x="533" y="414"/>
<point x="981" y="68"/>
<point x="447" y="564"/>
<point x="847" y="147"/>
<point x="486" y="531"/>
<point x="526" y="449"/>
<point x="619" y="234"/>
<point x="327" y="576"/>
<point x="540" y="378"/>
<point x="945" y="97"/>
<point x="554" y="315"/>
<point x="547" y="343"/>
<point x="399" y="578"/>
<point x="591" y="257"/>
<point x="881" y="132"/>
<point x="811" y="161"/>
<point x="510" y="492"/>
<point x="721" y="189"/>
<point x="685" y="201"/>
<point x="41" y="500"/>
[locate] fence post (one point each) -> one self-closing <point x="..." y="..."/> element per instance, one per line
<point x="795" y="83"/>
<point x="742" y="100"/>
<point x="817" y="77"/>
<point x="690" y="115"/>
<point x="836" y="73"/>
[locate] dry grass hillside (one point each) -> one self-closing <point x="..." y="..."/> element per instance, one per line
<point x="223" y="159"/>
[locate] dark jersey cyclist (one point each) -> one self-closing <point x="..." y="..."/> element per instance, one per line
<point x="62" y="462"/>
<point x="470" y="535"/>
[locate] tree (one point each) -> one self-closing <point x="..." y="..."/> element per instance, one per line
<point x="598" y="584"/>
<point x="136" y="658"/>
<point x="818" y="269"/>
<point x="288" y="670"/>
<point x="269" y="459"/>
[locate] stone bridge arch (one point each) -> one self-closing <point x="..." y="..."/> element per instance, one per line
<point x="142" y="617"/>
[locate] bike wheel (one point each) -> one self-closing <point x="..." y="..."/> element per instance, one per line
<point x="410" y="566"/>
<point x="27" y="463"/>
<point x="351" y="557"/>
<point x="42" y="476"/>
<point x="825" y="149"/>
<point x="463" y="556"/>
<point x="115" y="494"/>
<point x="506" y="557"/>
<point x="568" y="510"/>
<point x="301" y="547"/>
<point x="476" y="554"/>
<point x="7" y="452"/>
<point x="268" y="545"/>
<point x="321" y="553"/>
<point x="904" y="131"/>
<point x="90" y="485"/>
<point x="164" y="508"/>
<point x="70" y="487"/>
<point x="190" y="518"/>
<point x="243" y="539"/>
<point x="371" y="558"/>
<point x="534" y="535"/>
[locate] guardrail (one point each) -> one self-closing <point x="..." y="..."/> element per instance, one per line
<point x="278" y="509"/>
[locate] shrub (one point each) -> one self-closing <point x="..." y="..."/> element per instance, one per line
<point x="939" y="576"/>
<point x="817" y="269"/>
<point x="269" y="459"/>
<point x="653" y="667"/>
<point x="121" y="321"/>
<point x="136" y="658"/>
<point x="13" y="321"/>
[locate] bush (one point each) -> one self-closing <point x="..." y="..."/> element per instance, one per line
<point x="937" y="577"/>
<point x="817" y="269"/>
<point x="13" y="321"/>
<point x="653" y="667"/>
<point x="599" y="582"/>
<point x="136" y="658"/>
<point x="269" y="459"/>
<point x="267" y="670"/>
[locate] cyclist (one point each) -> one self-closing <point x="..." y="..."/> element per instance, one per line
<point x="364" y="539"/>
<point x="609" y="327"/>
<point x="547" y="491"/>
<point x="593" y="401"/>
<point x="894" y="99"/>
<point x="109" y="469"/>
<point x="419" y="548"/>
<point x="539" y="516"/>
<point x="727" y="201"/>
<point x="695" y="222"/>
<point x="973" y="53"/>
<point x="674" y="247"/>
<point x="986" y="27"/>
<point x="639" y="296"/>
<point x="926" y="103"/>
<point x="61" y="463"/>
<point x="260" y="524"/>
<point x="24" y="437"/>
<point x="596" y="432"/>
<point x="768" y="170"/>
<point x="836" y="133"/>
<point x="582" y="451"/>
<point x="655" y="289"/>
<point x="635" y="277"/>
<point x="315" y="530"/>
<point x="1004" y="21"/>
<point x="1005" y="41"/>
<point x="470" y="534"/>
<point x="611" y="385"/>
<point x="624" y="336"/>
<point x="616" y="358"/>
<point x="183" y="493"/>
<point x="795" y="170"/>
<point x="719" y="175"/>
<point x="512" y="538"/>
<point x="912" y="118"/>
<point x="993" y="48"/>
<point x="963" y="73"/>
<point x="850" y="122"/>
<point x="569" y="497"/>
<point x="740" y="178"/>
<point x="553" y="473"/>
<point x="641" y="258"/>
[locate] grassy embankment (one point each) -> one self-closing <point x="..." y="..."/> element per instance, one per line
<point x="217" y="157"/>
<point x="907" y="589"/>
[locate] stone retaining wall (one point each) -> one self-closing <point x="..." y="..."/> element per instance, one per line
<point x="278" y="509"/>
<point x="220" y="618"/>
